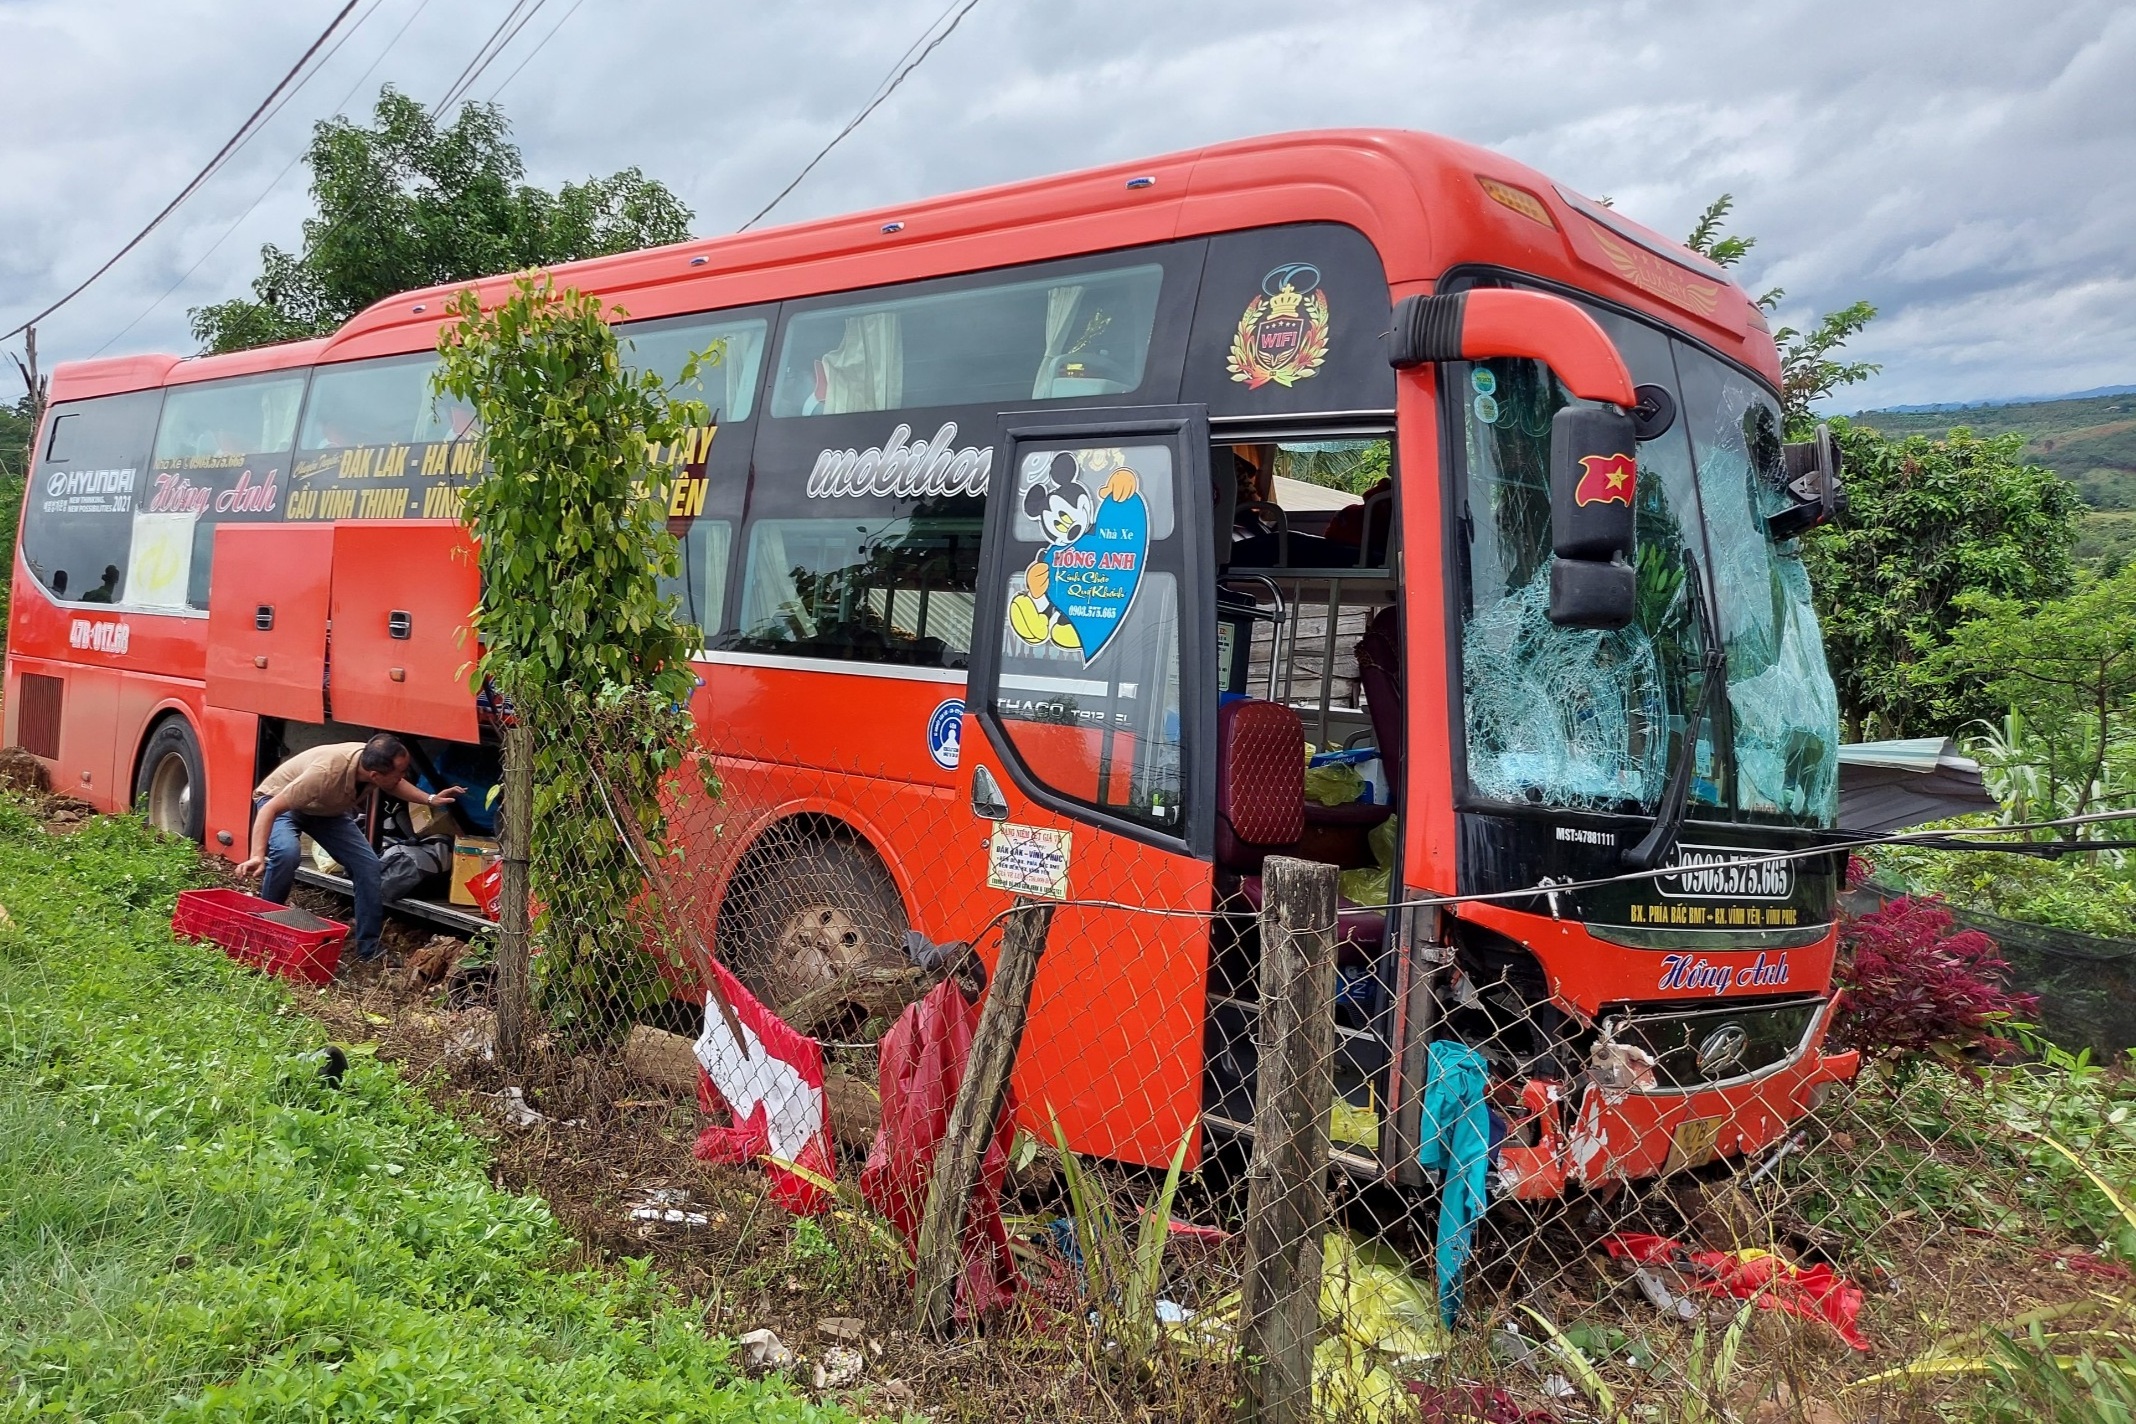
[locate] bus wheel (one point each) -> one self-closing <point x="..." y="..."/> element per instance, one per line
<point x="809" y="912"/>
<point x="171" y="788"/>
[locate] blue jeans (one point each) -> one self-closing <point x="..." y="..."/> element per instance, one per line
<point x="345" y="842"/>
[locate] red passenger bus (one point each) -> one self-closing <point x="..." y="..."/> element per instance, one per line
<point x="1037" y="481"/>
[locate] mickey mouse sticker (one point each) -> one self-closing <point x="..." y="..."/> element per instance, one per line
<point x="1077" y="591"/>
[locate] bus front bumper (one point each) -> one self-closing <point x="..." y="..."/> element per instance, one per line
<point x="1623" y="1135"/>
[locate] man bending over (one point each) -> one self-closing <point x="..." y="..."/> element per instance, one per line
<point x="315" y="793"/>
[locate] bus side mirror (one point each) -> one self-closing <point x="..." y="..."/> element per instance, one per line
<point x="1594" y="477"/>
<point x="1487" y="322"/>
<point x="1594" y="449"/>
<point x="1812" y="484"/>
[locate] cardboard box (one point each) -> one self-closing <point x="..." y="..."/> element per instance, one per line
<point x="471" y="855"/>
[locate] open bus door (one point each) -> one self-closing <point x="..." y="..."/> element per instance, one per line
<point x="1092" y="761"/>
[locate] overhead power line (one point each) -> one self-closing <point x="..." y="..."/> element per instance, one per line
<point x="538" y="48"/>
<point x="884" y="91"/>
<point x="295" y="158"/>
<point x="199" y="178"/>
<point x="487" y="54"/>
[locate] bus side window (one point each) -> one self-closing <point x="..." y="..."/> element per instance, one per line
<point x="78" y="518"/>
<point x="222" y="455"/>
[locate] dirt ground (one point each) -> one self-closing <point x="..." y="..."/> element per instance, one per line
<point x="612" y="1156"/>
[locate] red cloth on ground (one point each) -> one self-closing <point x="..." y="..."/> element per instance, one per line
<point x="1809" y="1292"/>
<point x="771" y="1085"/>
<point x="922" y="1062"/>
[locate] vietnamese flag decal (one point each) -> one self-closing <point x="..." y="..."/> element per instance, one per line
<point x="1606" y="479"/>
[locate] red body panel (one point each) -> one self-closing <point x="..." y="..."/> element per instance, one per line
<point x="282" y="573"/>
<point x="415" y="680"/>
<point x="229" y="742"/>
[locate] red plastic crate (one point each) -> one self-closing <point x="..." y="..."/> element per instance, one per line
<point x="240" y="924"/>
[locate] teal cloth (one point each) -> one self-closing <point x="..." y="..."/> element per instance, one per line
<point x="1456" y="1134"/>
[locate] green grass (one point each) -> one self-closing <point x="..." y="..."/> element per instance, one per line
<point x="194" y="1226"/>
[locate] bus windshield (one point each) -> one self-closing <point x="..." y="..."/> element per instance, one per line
<point x="1587" y="720"/>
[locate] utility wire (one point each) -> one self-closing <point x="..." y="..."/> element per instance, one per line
<point x="538" y="48"/>
<point x="253" y="206"/>
<point x="199" y="178"/>
<point x="491" y="48"/>
<point x="498" y="52"/>
<point x="883" y="92"/>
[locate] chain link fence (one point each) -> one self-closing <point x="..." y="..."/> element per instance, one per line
<point x="1256" y="1147"/>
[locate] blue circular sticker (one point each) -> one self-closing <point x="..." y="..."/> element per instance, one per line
<point x="945" y="730"/>
<point x="1487" y="409"/>
<point x="1483" y="382"/>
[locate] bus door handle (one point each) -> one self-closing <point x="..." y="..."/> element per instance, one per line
<point x="399" y="624"/>
<point x="397" y="674"/>
<point x="259" y="660"/>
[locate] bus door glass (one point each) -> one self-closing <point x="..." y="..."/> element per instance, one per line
<point x="1095" y="673"/>
<point x="1093" y="689"/>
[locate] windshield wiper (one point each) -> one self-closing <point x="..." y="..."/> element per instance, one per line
<point x="1655" y="846"/>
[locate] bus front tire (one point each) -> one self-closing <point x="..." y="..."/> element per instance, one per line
<point x="809" y="910"/>
<point x="171" y="787"/>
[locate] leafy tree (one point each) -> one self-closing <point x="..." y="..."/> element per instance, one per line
<point x="1809" y="368"/>
<point x="406" y="203"/>
<point x="1931" y="525"/>
<point x="571" y="518"/>
<point x="2070" y="665"/>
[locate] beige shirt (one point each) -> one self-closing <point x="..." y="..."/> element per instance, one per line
<point x="320" y="782"/>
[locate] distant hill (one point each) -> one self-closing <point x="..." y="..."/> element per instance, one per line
<point x="2089" y="440"/>
<point x="1941" y="406"/>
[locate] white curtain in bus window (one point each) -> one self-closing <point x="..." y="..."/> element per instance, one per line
<point x="384" y="402"/>
<point x="1090" y="675"/>
<point x="866" y="371"/>
<point x="208" y="425"/>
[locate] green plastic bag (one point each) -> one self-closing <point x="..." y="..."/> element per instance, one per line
<point x="1336" y="784"/>
<point x="1371" y="886"/>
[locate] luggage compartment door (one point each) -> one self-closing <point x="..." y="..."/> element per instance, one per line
<point x="267" y="611"/>
<point x="404" y="593"/>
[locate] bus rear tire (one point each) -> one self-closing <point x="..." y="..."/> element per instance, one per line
<point x="806" y="910"/>
<point x="171" y="787"/>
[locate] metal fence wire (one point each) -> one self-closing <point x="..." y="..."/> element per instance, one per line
<point x="1204" y="1186"/>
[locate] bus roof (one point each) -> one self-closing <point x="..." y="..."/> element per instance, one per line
<point x="1429" y="204"/>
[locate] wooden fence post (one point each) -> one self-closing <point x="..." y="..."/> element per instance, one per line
<point x="1287" y="1181"/>
<point x="940" y="1256"/>
<point x="514" y="833"/>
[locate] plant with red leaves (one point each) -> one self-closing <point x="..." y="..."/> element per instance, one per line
<point x="1912" y="989"/>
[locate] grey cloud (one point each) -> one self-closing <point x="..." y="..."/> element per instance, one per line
<point x="1965" y="165"/>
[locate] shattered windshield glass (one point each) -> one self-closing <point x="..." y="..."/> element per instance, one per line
<point x="1591" y="720"/>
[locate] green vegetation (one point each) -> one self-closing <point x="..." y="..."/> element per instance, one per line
<point x="2091" y="443"/>
<point x="1930" y="524"/>
<point x="572" y="523"/>
<point x="407" y="204"/>
<point x="16" y="432"/>
<point x="193" y="1225"/>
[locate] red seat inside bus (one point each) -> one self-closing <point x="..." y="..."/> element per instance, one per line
<point x="1261" y="811"/>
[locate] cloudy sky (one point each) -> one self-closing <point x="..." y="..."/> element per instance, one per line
<point x="1967" y="165"/>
